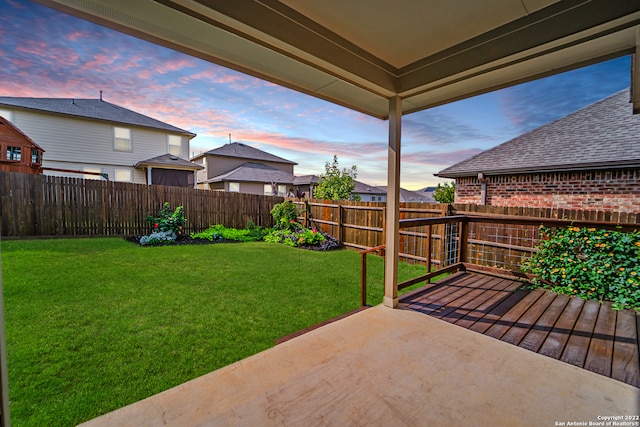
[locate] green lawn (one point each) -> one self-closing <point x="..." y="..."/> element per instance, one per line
<point x="96" y="324"/>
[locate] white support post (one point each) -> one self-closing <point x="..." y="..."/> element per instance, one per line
<point x="393" y="205"/>
<point x="149" y="175"/>
<point x="195" y="178"/>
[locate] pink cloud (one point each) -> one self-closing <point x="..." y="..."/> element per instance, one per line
<point x="76" y="35"/>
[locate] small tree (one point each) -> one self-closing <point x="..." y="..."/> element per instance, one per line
<point x="445" y="193"/>
<point x="336" y="184"/>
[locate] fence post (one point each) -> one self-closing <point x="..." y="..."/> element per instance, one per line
<point x="363" y="279"/>
<point x="429" y="251"/>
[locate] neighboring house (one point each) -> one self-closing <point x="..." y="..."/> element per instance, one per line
<point x="18" y="152"/>
<point x="305" y="185"/>
<point x="369" y="193"/>
<point x="240" y="168"/>
<point x="90" y="138"/>
<point x="413" y="196"/>
<point x="587" y="160"/>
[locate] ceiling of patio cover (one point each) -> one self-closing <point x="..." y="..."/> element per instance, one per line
<point x="360" y="53"/>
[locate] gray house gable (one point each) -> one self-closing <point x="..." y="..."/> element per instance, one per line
<point x="255" y="172"/>
<point x="605" y="134"/>
<point x="96" y="109"/>
<point x="243" y="151"/>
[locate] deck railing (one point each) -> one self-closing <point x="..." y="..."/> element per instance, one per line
<point x="498" y="244"/>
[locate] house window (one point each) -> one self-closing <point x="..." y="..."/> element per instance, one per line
<point x="14" y="153"/>
<point x="123" y="175"/>
<point x="267" y="190"/>
<point x="175" y="145"/>
<point x="36" y="156"/>
<point x="122" y="139"/>
<point x="7" y="114"/>
<point x="282" y="190"/>
<point x="94" y="175"/>
<point x="234" y="187"/>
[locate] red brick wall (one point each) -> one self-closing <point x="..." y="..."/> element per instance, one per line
<point x="609" y="190"/>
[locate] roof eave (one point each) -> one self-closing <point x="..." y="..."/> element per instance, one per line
<point x="544" y="169"/>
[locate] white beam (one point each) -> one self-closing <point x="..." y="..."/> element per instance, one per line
<point x="393" y="204"/>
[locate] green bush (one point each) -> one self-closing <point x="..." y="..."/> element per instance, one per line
<point x="589" y="263"/>
<point x="219" y="232"/>
<point x="284" y="215"/>
<point x="168" y="219"/>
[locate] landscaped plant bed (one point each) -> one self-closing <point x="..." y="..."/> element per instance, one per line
<point x="167" y="228"/>
<point x="183" y="240"/>
<point x="602" y="265"/>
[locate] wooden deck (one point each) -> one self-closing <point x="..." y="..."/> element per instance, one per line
<point x="586" y="334"/>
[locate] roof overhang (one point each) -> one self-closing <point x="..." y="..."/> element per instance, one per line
<point x="630" y="164"/>
<point x="360" y="53"/>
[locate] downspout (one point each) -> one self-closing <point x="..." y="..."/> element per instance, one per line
<point x="483" y="188"/>
<point x="392" y="225"/>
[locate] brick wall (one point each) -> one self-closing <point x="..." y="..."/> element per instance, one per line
<point x="609" y="190"/>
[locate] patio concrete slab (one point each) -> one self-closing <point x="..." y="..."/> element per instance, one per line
<point x="388" y="367"/>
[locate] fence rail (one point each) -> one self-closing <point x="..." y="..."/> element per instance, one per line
<point x="496" y="243"/>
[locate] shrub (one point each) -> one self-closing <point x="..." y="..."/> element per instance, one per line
<point x="589" y="263"/>
<point x="298" y="236"/>
<point x="158" y="238"/>
<point x="219" y="232"/>
<point x="168" y="219"/>
<point x="284" y="215"/>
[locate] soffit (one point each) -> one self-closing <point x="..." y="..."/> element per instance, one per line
<point x="358" y="53"/>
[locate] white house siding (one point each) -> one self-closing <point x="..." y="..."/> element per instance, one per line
<point x="138" y="175"/>
<point x="72" y="143"/>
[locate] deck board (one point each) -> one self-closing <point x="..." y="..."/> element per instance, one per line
<point x="586" y="334"/>
<point x="625" y="352"/>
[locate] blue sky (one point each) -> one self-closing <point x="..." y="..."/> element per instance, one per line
<point x="45" y="53"/>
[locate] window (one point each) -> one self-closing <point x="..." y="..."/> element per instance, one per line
<point x="93" y="174"/>
<point x="14" y="153"/>
<point x="123" y="175"/>
<point x="7" y="114"/>
<point x="36" y="156"/>
<point x="234" y="187"/>
<point x="175" y="145"/>
<point x="122" y="139"/>
<point x="282" y="190"/>
<point x="267" y="189"/>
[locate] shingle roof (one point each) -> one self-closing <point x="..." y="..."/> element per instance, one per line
<point x="168" y="161"/>
<point x="413" y="196"/>
<point x="254" y="172"/>
<point x="306" y="180"/>
<point x="238" y="149"/>
<point x="602" y="135"/>
<point x="362" y="188"/>
<point x="90" y="108"/>
<point x="24" y="136"/>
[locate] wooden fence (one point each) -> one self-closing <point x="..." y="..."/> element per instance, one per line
<point x="39" y="205"/>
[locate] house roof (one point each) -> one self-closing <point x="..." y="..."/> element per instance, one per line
<point x="19" y="133"/>
<point x="254" y="172"/>
<point x="168" y="161"/>
<point x="240" y="150"/>
<point x="361" y="53"/>
<point x="413" y="196"/>
<point x="362" y="188"/>
<point x="306" y="180"/>
<point x="602" y="135"/>
<point x="96" y="109"/>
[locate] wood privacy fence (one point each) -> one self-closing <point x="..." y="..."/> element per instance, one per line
<point x="39" y="205"/>
<point x="360" y="225"/>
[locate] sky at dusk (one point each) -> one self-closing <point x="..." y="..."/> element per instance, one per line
<point x="47" y="54"/>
